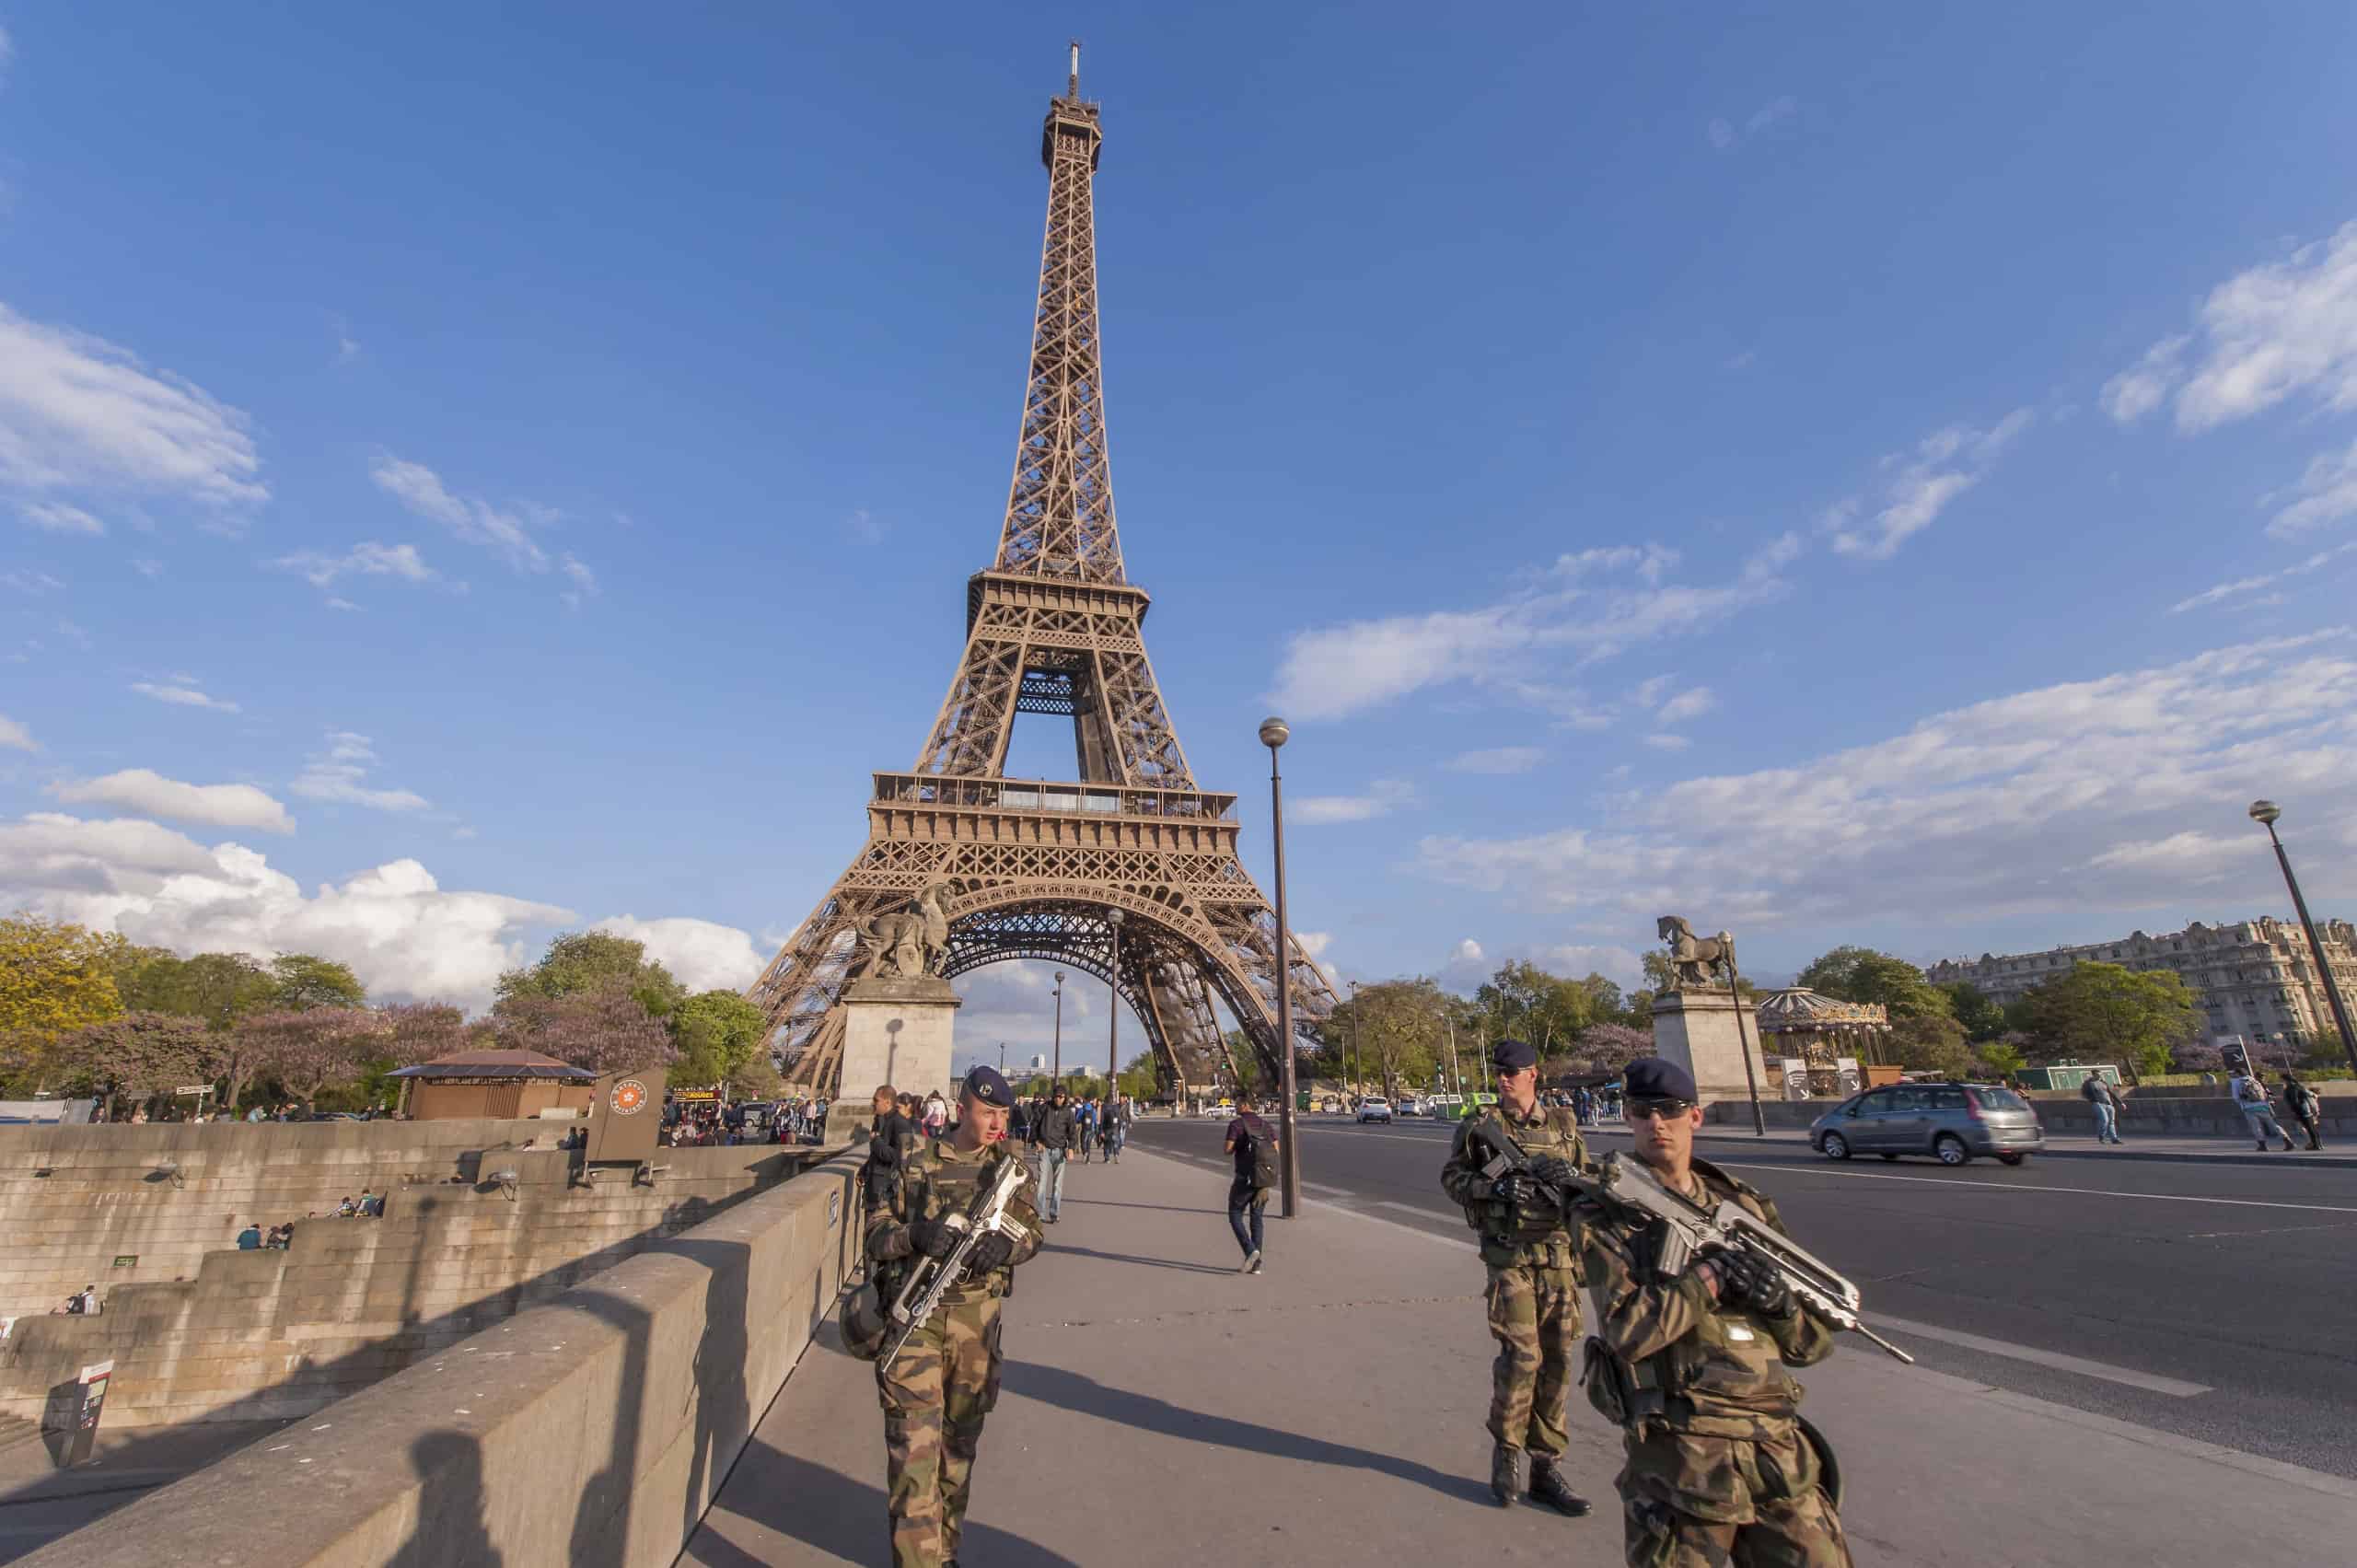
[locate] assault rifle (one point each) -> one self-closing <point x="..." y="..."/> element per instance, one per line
<point x="1628" y="1189"/>
<point x="933" y="1278"/>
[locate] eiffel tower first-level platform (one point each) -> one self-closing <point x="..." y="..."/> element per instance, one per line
<point x="1025" y="869"/>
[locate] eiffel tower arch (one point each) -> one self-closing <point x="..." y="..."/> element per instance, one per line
<point x="1028" y="869"/>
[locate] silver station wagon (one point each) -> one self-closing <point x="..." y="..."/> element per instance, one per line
<point x="1951" y="1122"/>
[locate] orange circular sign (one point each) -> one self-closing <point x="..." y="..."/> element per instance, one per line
<point x="628" y="1099"/>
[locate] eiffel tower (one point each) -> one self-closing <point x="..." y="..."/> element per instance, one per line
<point x="1026" y="869"/>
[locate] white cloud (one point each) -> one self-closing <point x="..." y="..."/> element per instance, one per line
<point x="13" y="733"/>
<point x="1383" y="798"/>
<point x="335" y="602"/>
<point x="55" y="516"/>
<point x="2278" y="329"/>
<point x="1942" y="466"/>
<point x="1722" y="134"/>
<point x="2327" y="494"/>
<point x="1333" y="672"/>
<point x="1688" y="704"/>
<point x="341" y="775"/>
<point x="2145" y="386"/>
<point x="2252" y="585"/>
<point x="366" y="559"/>
<point x="1313" y="943"/>
<point x="506" y="532"/>
<point x="79" y="414"/>
<point x="866" y="527"/>
<point x="347" y="348"/>
<point x="1668" y="742"/>
<point x="1496" y="760"/>
<point x="403" y="935"/>
<point x="585" y="582"/>
<point x="704" y="955"/>
<point x="1726" y="138"/>
<point x="182" y="692"/>
<point x="1579" y="961"/>
<point x="2038" y="801"/>
<point x="149" y="794"/>
<point x="147" y="566"/>
<point x="31" y="582"/>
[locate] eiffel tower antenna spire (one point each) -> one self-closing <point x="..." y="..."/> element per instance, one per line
<point x="1020" y="868"/>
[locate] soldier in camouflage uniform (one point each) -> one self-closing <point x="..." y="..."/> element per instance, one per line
<point x="944" y="1382"/>
<point x="1719" y="1467"/>
<point x="1532" y="1251"/>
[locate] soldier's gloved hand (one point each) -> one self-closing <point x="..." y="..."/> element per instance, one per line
<point x="1513" y="1188"/>
<point x="994" y="1250"/>
<point x="932" y="1237"/>
<point x="1554" y="1170"/>
<point x="1746" y="1282"/>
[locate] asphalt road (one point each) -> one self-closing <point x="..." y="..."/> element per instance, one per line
<point x="2209" y="1301"/>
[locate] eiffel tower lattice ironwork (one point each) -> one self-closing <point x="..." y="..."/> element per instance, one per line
<point x="1026" y="869"/>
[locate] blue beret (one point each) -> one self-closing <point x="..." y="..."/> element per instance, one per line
<point x="985" y="1087"/>
<point x="1650" y="1077"/>
<point x="1512" y="1055"/>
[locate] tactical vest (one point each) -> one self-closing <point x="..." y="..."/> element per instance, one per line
<point x="1725" y="1378"/>
<point x="1535" y="1233"/>
<point x="934" y="1183"/>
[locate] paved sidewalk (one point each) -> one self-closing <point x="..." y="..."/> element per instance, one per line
<point x="1160" y="1409"/>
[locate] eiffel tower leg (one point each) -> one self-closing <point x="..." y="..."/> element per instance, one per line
<point x="802" y="984"/>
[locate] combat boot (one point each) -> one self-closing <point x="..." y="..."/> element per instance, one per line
<point x="1547" y="1486"/>
<point x="1505" y="1474"/>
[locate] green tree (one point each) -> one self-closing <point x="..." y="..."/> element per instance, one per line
<point x="1932" y="1042"/>
<point x="2106" y="1011"/>
<point x="299" y="982"/>
<point x="56" y="978"/>
<point x="2004" y="1058"/>
<point x="1983" y="1020"/>
<point x="718" y="1034"/>
<point x="582" y="961"/>
<point x="1138" y="1079"/>
<point x="219" y="988"/>
<point x="1398" y="1028"/>
<point x="1861" y="974"/>
<point x="756" y="1078"/>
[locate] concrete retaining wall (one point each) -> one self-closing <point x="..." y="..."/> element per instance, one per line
<point x="270" y="1334"/>
<point x="592" y="1430"/>
<point x="2160" y="1117"/>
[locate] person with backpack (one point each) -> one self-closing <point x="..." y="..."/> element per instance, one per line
<point x="1252" y="1143"/>
<point x="2250" y="1097"/>
<point x="2097" y="1093"/>
<point x="2306" y="1109"/>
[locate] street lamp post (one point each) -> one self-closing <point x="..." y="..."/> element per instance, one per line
<point x="1056" y="1067"/>
<point x="1354" y="1062"/>
<point x="1743" y="1038"/>
<point x="2265" y="812"/>
<point x="1113" y="1033"/>
<point x="1274" y="732"/>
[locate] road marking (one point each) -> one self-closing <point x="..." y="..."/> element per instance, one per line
<point x="2033" y="1187"/>
<point x="2175" y="1387"/>
<point x="1408" y="1209"/>
<point x="1323" y="1190"/>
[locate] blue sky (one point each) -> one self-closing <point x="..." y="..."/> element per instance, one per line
<point x="1843" y="475"/>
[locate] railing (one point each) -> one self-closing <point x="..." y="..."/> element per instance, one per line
<point x="1067" y="800"/>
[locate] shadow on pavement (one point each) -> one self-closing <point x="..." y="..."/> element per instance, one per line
<point x="1166" y="1208"/>
<point x="1180" y="1264"/>
<point x="845" y="1518"/>
<point x="1069" y="1390"/>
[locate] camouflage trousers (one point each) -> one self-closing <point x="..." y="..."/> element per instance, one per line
<point x="1535" y="1318"/>
<point x="1689" y="1500"/>
<point x="935" y="1393"/>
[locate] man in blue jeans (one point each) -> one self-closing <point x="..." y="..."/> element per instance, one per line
<point x="2093" y="1089"/>
<point x="1247" y="1136"/>
<point x="1053" y="1133"/>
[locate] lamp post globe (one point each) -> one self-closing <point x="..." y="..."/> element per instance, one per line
<point x="2265" y="811"/>
<point x="1274" y="732"/>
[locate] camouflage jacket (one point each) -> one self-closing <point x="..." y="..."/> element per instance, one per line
<point x="1538" y="1232"/>
<point x="926" y="1180"/>
<point x="1694" y="1364"/>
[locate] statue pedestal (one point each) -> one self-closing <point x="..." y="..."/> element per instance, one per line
<point x="1697" y="1029"/>
<point x="896" y="1032"/>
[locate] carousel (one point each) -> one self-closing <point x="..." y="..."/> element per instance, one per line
<point x="1815" y="1044"/>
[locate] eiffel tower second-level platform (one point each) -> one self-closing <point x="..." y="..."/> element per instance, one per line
<point x="1027" y="869"/>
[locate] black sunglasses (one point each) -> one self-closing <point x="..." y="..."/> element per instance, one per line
<point x="1664" y="1107"/>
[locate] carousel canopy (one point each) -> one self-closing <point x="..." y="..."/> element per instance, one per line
<point x="1798" y="1007"/>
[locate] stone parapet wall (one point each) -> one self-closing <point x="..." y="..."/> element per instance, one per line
<point x="269" y="1334"/>
<point x="594" y="1428"/>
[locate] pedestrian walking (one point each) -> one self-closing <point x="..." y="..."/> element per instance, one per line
<point x="1118" y="1117"/>
<point x="2097" y="1093"/>
<point x="2250" y="1095"/>
<point x="938" y="1389"/>
<point x="1720" y="1468"/>
<point x="1084" y="1121"/>
<point x="1253" y="1144"/>
<point x="1053" y="1133"/>
<point x="2307" y="1108"/>
<point x="1532" y="1248"/>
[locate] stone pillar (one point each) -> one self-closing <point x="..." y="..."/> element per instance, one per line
<point x="1697" y="1030"/>
<point x="896" y="1032"/>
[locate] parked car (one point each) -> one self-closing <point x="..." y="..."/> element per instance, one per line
<point x="1409" y="1106"/>
<point x="1375" y="1107"/>
<point x="1950" y="1122"/>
